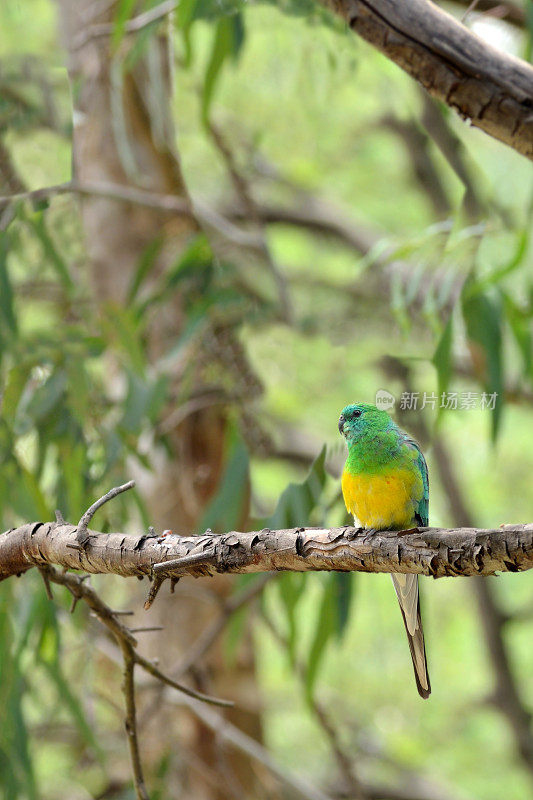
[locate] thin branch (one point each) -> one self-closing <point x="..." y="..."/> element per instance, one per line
<point x="506" y="10"/>
<point x="469" y="10"/>
<point x="131" y="721"/>
<point x="153" y="670"/>
<point x="207" y="216"/>
<point x="82" y="535"/>
<point x="79" y="589"/>
<point x="113" y="191"/>
<point x="133" y="25"/>
<point x="244" y="192"/>
<point x="232" y="735"/>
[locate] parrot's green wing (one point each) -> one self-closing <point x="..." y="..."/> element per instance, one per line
<point x="422" y="511"/>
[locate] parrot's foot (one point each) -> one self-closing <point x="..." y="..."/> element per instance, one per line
<point x="369" y="532"/>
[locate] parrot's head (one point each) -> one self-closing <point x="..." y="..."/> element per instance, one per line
<point x="362" y="418"/>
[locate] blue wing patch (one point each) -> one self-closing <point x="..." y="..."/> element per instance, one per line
<point x="422" y="511"/>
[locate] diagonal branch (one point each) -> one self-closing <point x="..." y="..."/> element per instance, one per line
<point x="131" y="720"/>
<point x="490" y="89"/>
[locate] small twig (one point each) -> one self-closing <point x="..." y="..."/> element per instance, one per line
<point x="113" y="191"/>
<point x="232" y="735"/>
<point x="186" y="561"/>
<point x="151" y="668"/>
<point x="147" y="628"/>
<point x="152" y="594"/>
<point x="128" y="688"/>
<point x="470" y="8"/>
<point x="133" y="25"/>
<point x="123" y="635"/>
<point x="46" y="580"/>
<point x="81" y="535"/>
<point x="244" y="192"/>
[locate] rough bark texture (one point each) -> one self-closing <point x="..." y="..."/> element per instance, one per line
<point x="427" y="551"/>
<point x="490" y="89"/>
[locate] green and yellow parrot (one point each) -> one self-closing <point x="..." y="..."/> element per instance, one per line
<point x="385" y="486"/>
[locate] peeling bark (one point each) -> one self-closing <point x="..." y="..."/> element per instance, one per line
<point x="490" y="89"/>
<point x="437" y="552"/>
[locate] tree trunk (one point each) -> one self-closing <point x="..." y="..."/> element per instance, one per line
<point x="123" y="134"/>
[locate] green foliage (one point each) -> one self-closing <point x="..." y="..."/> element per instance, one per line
<point x="227" y="42"/>
<point x="16" y="766"/>
<point x="297" y="505"/>
<point x="8" y="320"/>
<point x="82" y="391"/>
<point x="227" y="508"/>
<point x="443" y="357"/>
<point x="483" y="326"/>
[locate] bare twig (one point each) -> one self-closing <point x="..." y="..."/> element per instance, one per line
<point x="154" y="590"/>
<point x="151" y="668"/>
<point x="182" y="563"/>
<point x="122" y="634"/>
<point x="230" y="734"/>
<point x="245" y="195"/>
<point x="209" y="217"/>
<point x="469" y="10"/>
<point x="82" y="535"/>
<point x="131" y="721"/>
<point x="147" y="628"/>
<point x="133" y="25"/>
<point x="113" y="191"/>
<point x="46" y="581"/>
<point x="511" y="12"/>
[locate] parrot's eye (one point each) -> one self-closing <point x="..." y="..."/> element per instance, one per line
<point x="357" y="413"/>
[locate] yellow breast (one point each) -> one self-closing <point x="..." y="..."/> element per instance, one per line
<point x="383" y="502"/>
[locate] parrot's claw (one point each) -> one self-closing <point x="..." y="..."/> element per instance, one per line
<point x="369" y="532"/>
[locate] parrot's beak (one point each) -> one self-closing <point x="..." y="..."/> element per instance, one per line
<point x="341" y="424"/>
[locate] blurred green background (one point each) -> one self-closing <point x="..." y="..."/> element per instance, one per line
<point x="381" y="261"/>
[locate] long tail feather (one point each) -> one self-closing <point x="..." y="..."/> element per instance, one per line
<point x="406" y="587"/>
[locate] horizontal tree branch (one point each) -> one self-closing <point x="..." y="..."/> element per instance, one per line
<point x="487" y="87"/>
<point x="427" y="551"/>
